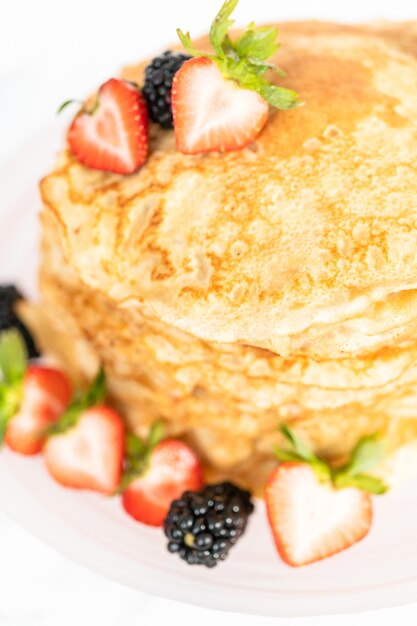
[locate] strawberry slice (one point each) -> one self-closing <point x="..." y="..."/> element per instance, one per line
<point x="311" y="520"/>
<point x="88" y="455"/>
<point x="211" y="112"/>
<point x="46" y="395"/>
<point x="86" y="446"/>
<point x="171" y="469"/>
<point x="112" y="134"/>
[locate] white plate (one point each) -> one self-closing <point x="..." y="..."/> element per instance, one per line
<point x="380" y="571"/>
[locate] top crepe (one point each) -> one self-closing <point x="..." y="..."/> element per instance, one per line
<point x="304" y="242"/>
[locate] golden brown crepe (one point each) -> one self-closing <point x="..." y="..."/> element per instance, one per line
<point x="228" y="292"/>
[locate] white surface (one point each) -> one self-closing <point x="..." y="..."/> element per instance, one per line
<point x="95" y="532"/>
<point x="50" y="51"/>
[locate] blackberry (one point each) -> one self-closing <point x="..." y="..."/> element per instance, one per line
<point x="159" y="75"/>
<point x="202" y="526"/>
<point x="9" y="296"/>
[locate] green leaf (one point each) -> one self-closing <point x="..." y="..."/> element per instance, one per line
<point x="245" y="60"/>
<point x="322" y="470"/>
<point x="302" y="454"/>
<point x="188" y="45"/>
<point x="279" y="97"/>
<point x="66" y="104"/>
<point x="230" y="50"/>
<point x="10" y="400"/>
<point x="287" y="455"/>
<point x="134" y="446"/>
<point x="138" y="454"/>
<point x="96" y="393"/>
<point x="3" y="426"/>
<point x="94" y="396"/>
<point x="156" y="434"/>
<point x="258" y="44"/>
<point x="367" y="453"/>
<point x="297" y="444"/>
<point x="221" y="25"/>
<point x="13" y="356"/>
<point x="361" y="481"/>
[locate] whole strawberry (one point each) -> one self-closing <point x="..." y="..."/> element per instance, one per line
<point x="31" y="398"/>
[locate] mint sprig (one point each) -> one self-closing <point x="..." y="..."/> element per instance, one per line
<point x="245" y="60"/>
<point x="367" y="453"/>
<point x="138" y="453"/>
<point x="94" y="395"/>
<point x="13" y="363"/>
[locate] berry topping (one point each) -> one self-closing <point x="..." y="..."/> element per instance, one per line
<point x="202" y="526"/>
<point x="9" y="297"/>
<point x="156" y="473"/>
<point x="220" y="100"/>
<point x="111" y="132"/>
<point x="159" y="75"/>
<point x="85" y="448"/>
<point x="30" y="399"/>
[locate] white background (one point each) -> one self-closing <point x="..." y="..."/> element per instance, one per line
<point x="51" y="50"/>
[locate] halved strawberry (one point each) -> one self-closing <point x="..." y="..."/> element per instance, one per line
<point x="311" y="520"/>
<point x="211" y="112"/>
<point x="112" y="133"/>
<point x="172" y="468"/>
<point x="89" y="455"/>
<point x="46" y="393"/>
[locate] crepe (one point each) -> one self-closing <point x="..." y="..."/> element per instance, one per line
<point x="303" y="243"/>
<point x="228" y="292"/>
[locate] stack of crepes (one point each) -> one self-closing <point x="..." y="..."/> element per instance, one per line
<point x="226" y="293"/>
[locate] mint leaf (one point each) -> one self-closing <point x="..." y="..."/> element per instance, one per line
<point x="367" y="453"/>
<point x="221" y="25"/>
<point x="94" y="395"/>
<point x="13" y="357"/>
<point x="361" y="481"/>
<point x="258" y="44"/>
